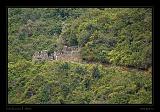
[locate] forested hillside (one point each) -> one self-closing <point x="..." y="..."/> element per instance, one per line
<point x="116" y="52"/>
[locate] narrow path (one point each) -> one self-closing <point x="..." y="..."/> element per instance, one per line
<point x="123" y="68"/>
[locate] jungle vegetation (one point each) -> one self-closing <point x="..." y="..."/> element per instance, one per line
<point x="118" y="37"/>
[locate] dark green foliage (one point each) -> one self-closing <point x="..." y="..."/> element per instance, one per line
<point x="65" y="90"/>
<point x="96" y="73"/>
<point x="80" y="70"/>
<point x="48" y="85"/>
<point x="117" y="36"/>
<point x="87" y="84"/>
<point x="64" y="66"/>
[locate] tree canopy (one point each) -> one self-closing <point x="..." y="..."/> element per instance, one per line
<point x="114" y="36"/>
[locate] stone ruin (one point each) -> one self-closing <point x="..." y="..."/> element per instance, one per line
<point x="67" y="53"/>
<point x="42" y="55"/>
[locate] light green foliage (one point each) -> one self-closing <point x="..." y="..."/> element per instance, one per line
<point x="123" y="38"/>
<point x="50" y="84"/>
<point x="117" y="36"/>
<point x="135" y="39"/>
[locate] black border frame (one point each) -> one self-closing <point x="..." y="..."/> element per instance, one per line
<point x="141" y="107"/>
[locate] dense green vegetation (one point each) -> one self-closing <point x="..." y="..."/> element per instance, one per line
<point x="115" y="36"/>
<point x="66" y="82"/>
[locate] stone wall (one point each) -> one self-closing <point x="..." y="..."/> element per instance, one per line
<point x="68" y="54"/>
<point x="42" y="55"/>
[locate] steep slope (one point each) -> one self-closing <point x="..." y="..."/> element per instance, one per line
<point x="115" y="36"/>
<point x="58" y="82"/>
